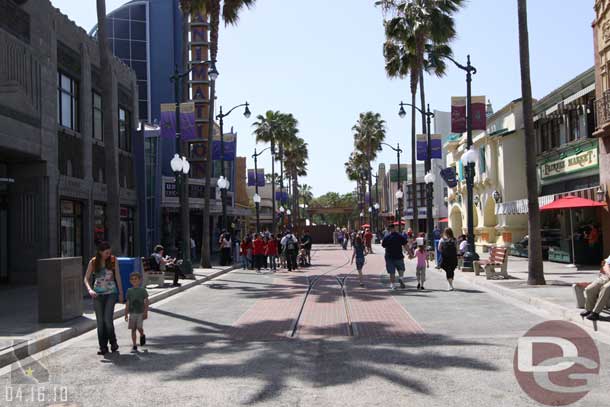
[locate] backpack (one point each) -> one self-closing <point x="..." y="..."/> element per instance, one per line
<point x="290" y="245"/>
<point x="449" y="249"/>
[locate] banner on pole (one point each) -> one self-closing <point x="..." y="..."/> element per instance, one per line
<point x="404" y="173"/>
<point x="259" y="179"/>
<point x="422" y="147"/>
<point x="448" y="175"/>
<point x="458" y="114"/>
<point x="479" y="113"/>
<point x="281" y="196"/>
<point x="230" y="144"/>
<point x="187" y="120"/>
<point x="437" y="146"/>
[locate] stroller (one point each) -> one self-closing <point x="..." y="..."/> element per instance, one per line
<point x="302" y="257"/>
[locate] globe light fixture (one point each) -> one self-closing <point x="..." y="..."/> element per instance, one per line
<point x="402" y="113"/>
<point x="370" y="209"/>
<point x="176" y="164"/>
<point x="429" y="178"/>
<point x="399" y="194"/>
<point x="288" y="212"/>
<point x="470" y="156"/>
<point x="223" y="183"/>
<point x="362" y="214"/>
<point x="256" y="198"/>
<point x="186" y="166"/>
<point x="247" y="112"/>
<point x="282" y="210"/>
<point x="377" y="206"/>
<point x="213" y="72"/>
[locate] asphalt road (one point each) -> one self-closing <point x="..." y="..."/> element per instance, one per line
<point x="236" y="341"/>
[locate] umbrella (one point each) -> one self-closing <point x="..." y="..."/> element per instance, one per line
<point x="366" y="225"/>
<point x="569" y="203"/>
<point x="401" y="223"/>
<point x="444" y="220"/>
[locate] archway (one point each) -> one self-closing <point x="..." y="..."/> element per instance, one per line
<point x="455" y="220"/>
<point x="490" y="219"/>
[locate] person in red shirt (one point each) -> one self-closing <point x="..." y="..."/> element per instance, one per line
<point x="272" y="252"/>
<point x="368" y="240"/>
<point x="246" y="253"/>
<point x="258" y="250"/>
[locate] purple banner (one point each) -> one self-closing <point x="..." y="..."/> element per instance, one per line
<point x="437" y="146"/>
<point x="281" y="196"/>
<point x="422" y="146"/>
<point x="229" y="150"/>
<point x="448" y="175"/>
<point x="260" y="178"/>
<point x="187" y="121"/>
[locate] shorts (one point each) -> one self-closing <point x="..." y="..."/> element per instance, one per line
<point x="136" y="321"/>
<point x="359" y="263"/>
<point x="392" y="265"/>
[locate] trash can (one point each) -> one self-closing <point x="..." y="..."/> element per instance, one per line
<point x="128" y="265"/>
<point x="60" y="292"/>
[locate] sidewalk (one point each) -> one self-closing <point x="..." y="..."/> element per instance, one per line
<point x="22" y="335"/>
<point x="556" y="297"/>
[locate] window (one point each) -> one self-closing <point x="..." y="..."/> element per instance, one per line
<point x="555" y="133"/>
<point x="67" y="102"/>
<point x="71" y="233"/>
<point x="421" y="195"/>
<point x="127" y="231"/>
<point x="574" y="130"/>
<point x="99" y="220"/>
<point x="98" y="125"/>
<point x="124" y="130"/>
<point x="482" y="162"/>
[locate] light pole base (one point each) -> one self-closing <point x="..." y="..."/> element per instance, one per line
<point x="187" y="267"/>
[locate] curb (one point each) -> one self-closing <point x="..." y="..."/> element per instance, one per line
<point x="43" y="342"/>
<point x="564" y="313"/>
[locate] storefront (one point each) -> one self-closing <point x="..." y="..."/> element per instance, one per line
<point x="127" y="231"/>
<point x="71" y="232"/>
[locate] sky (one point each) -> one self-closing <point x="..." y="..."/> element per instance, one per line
<point x="322" y="61"/>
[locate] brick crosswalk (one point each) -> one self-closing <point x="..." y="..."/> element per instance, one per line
<point x="373" y="310"/>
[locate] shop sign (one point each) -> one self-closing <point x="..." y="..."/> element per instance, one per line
<point x="578" y="162"/>
<point x="196" y="191"/>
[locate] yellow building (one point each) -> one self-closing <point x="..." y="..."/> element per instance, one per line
<point x="499" y="178"/>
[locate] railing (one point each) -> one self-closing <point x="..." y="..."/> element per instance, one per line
<point x="602" y="109"/>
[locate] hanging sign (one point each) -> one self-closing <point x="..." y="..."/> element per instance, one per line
<point x="458" y="114"/>
<point x="577" y="162"/>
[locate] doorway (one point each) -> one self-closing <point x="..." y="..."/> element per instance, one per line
<point x="4" y="253"/>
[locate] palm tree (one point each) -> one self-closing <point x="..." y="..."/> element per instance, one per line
<point x="369" y="133"/>
<point x="414" y="24"/>
<point x="113" y="209"/>
<point x="296" y="155"/>
<point x="534" y="261"/>
<point x="230" y="15"/>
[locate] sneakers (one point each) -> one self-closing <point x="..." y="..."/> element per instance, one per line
<point x="418" y="286"/>
<point x="102" y="351"/>
<point x="402" y="284"/>
<point x="594" y="316"/>
<point x="142" y="340"/>
<point x="392" y="287"/>
<point x="176" y="285"/>
<point x="422" y="287"/>
<point x="585" y="313"/>
<point x="134" y="348"/>
<point x="114" y="347"/>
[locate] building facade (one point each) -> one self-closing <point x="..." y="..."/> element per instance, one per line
<point x="601" y="29"/>
<point x="500" y="164"/>
<point x="52" y="169"/>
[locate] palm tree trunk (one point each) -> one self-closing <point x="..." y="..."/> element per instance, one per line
<point x="413" y="165"/>
<point x="422" y="96"/>
<point x="535" y="265"/>
<point x="113" y="209"/>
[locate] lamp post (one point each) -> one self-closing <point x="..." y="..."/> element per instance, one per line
<point x="399" y="196"/>
<point x="257" y="204"/>
<point x="220" y="117"/>
<point x="471" y="254"/>
<point x="429" y="179"/>
<point x="289" y="213"/>
<point x="377" y="217"/>
<point x="181" y="175"/>
<point x="398" y="184"/>
<point x="427" y="168"/>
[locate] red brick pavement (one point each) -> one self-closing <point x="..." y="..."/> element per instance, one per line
<point x="373" y="310"/>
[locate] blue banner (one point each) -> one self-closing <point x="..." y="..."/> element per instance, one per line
<point x="229" y="150"/>
<point x="252" y="181"/>
<point x="281" y="196"/>
<point x="448" y="175"/>
<point x="422" y="146"/>
<point x="437" y="146"/>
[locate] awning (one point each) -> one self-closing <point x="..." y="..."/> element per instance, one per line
<point x="519" y="207"/>
<point x="444" y="220"/>
<point x="571" y="202"/>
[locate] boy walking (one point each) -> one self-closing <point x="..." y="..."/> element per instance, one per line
<point x="136" y="309"/>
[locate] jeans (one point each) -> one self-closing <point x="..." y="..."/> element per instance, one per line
<point x="244" y="262"/>
<point x="225" y="256"/>
<point x="272" y="265"/>
<point x="104" y="315"/>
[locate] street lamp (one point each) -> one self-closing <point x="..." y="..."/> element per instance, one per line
<point x="289" y="212"/>
<point x="220" y="117"/>
<point x="399" y="194"/>
<point x="255" y="156"/>
<point x="470" y="158"/>
<point x="427" y="168"/>
<point x="398" y="184"/>
<point x="471" y="254"/>
<point x="429" y="179"/>
<point x="257" y="202"/>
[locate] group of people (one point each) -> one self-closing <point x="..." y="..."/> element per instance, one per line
<point x="264" y="250"/>
<point x="343" y="237"/>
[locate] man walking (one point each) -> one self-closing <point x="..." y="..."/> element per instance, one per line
<point x="290" y="247"/>
<point x="394" y="257"/>
<point x="306" y="242"/>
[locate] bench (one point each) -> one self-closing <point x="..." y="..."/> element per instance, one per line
<point x="151" y="276"/>
<point x="498" y="258"/>
<point x="579" y="292"/>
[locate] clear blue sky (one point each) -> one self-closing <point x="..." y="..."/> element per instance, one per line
<point x="322" y="61"/>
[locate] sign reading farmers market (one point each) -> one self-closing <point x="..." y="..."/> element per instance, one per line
<point x="578" y="162"/>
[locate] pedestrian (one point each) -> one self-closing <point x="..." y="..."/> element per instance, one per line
<point x="272" y="252"/>
<point x="368" y="240"/>
<point x="246" y="252"/>
<point x="307" y="243"/>
<point x="193" y="249"/>
<point x="394" y="243"/>
<point x="136" y="309"/>
<point x="160" y="262"/>
<point x="449" y="253"/>
<point x="359" y="253"/>
<point x="258" y="251"/>
<point x="290" y="247"/>
<point x="104" y="270"/>
<point x="336" y="236"/>
<point x="340" y="237"/>
<point x="422" y="263"/>
<point x="225" y="248"/>
<point x="265" y="258"/>
<point x="597" y="293"/>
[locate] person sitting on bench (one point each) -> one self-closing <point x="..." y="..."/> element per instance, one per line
<point x="160" y="262"/>
<point x="597" y="293"/>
